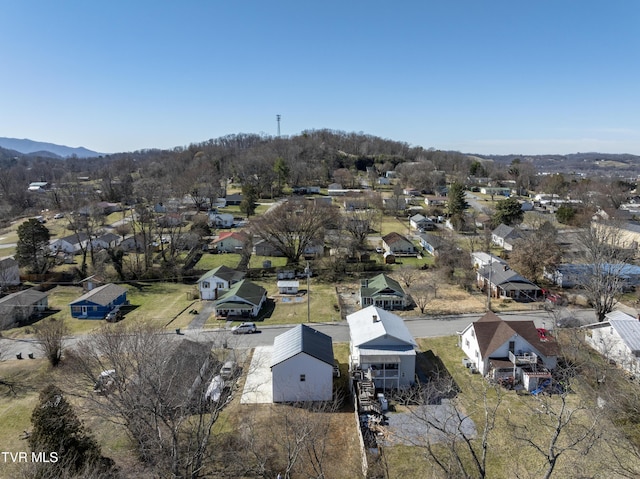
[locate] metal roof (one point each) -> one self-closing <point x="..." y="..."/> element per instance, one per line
<point x="629" y="331"/>
<point x="302" y="339"/>
<point x="372" y="322"/>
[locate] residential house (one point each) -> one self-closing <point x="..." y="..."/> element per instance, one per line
<point x="517" y="349"/>
<point x="38" y="186"/>
<point x="302" y="366"/>
<point x="98" y="302"/>
<point x="382" y="348"/>
<point x="617" y="338"/>
<point x="432" y="200"/>
<point x="383" y="292"/>
<point x="262" y="247"/>
<point x="480" y="259"/>
<point x="18" y="307"/>
<point x="398" y="245"/>
<point x="231" y="241"/>
<point x="214" y="282"/>
<point x="243" y="299"/>
<point x="395" y="203"/>
<point x="234" y="199"/>
<point x="72" y="244"/>
<point x="421" y="223"/>
<point x="572" y="275"/>
<point x="9" y="272"/>
<point x="133" y="244"/>
<point x="288" y="286"/>
<point x="170" y="220"/>
<point x="106" y="241"/>
<point x="506" y="283"/>
<point x="495" y="191"/>
<point x="383" y="181"/>
<point x="505" y="236"/>
<point x="431" y="243"/>
<point x="220" y="220"/>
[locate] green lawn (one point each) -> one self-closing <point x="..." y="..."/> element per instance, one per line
<point x="322" y="307"/>
<point x="256" y="262"/>
<point x="211" y="261"/>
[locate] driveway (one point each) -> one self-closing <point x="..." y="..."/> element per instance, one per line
<point x="258" y="385"/>
<point x="206" y="310"/>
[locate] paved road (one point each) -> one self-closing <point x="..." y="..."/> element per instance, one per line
<point x="424" y="327"/>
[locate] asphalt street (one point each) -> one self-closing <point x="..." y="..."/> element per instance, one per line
<point x="422" y="327"/>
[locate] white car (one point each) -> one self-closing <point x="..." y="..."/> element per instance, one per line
<point x="58" y="216"/>
<point x="244" y="328"/>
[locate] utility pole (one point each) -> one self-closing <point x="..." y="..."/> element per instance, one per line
<point x="278" y="120"/>
<point x="308" y="271"/>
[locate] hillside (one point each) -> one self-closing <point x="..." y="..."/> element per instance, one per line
<point x="39" y="148"/>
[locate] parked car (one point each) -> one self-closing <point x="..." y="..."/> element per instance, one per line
<point x="58" y="216"/>
<point x="114" y="315"/>
<point x="228" y="370"/>
<point x="244" y="328"/>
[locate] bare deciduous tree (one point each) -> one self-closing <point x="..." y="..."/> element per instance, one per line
<point x="50" y="334"/>
<point x="155" y="386"/>
<point x="293" y="225"/>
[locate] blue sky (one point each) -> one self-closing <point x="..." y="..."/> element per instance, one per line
<point x="517" y="76"/>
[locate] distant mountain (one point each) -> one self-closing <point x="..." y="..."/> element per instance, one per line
<point x="30" y="147"/>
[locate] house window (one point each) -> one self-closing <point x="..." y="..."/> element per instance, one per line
<point x="205" y="284"/>
<point x="303" y="378"/>
<point x="512" y="346"/>
<point x="220" y="285"/>
<point x="466" y="342"/>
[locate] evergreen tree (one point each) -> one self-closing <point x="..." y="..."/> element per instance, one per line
<point x="32" y="249"/>
<point x="248" y="204"/>
<point x="456" y="204"/>
<point x="509" y="212"/>
<point x="60" y="436"/>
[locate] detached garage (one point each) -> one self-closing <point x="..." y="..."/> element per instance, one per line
<point x="302" y="366"/>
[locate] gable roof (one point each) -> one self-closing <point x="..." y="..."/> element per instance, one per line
<point x="302" y="339"/>
<point x="394" y="237"/>
<point x="433" y="240"/>
<point x="371" y="323"/>
<point x="503" y="276"/>
<point x="246" y="290"/>
<point x="223" y="272"/>
<point x="22" y="298"/>
<point x="109" y="237"/>
<point x="492" y="332"/>
<point x="75" y="238"/>
<point x="7" y="262"/>
<point x="506" y="232"/>
<point x="379" y="283"/>
<point x="102" y="295"/>
<point x="237" y="235"/>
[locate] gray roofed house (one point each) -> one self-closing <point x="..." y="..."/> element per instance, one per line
<point x="617" y="338"/>
<point x="505" y="236"/>
<point x="431" y="243"/>
<point x="21" y="306"/>
<point x="9" y="272"/>
<point x="98" y="302"/>
<point x="506" y="283"/>
<point x="302" y="366"/>
<point x="382" y="347"/>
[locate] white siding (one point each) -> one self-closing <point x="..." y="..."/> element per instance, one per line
<point x="317" y="384"/>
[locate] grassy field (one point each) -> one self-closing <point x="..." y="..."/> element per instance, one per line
<point x="211" y="261"/>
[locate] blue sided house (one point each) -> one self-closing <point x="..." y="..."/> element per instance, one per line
<point x="98" y="302"/>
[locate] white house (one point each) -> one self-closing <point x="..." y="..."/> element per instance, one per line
<point x="231" y="241"/>
<point x="71" y="244"/>
<point x="398" y="245"/>
<point x="219" y="279"/>
<point x="517" y="349"/>
<point x="302" y="366"/>
<point x="480" y="259"/>
<point x="9" y="272"/>
<point x="288" y="286"/>
<point x="505" y="236"/>
<point x="220" y="220"/>
<point x="617" y="338"/>
<point x="382" y="346"/>
<point x="106" y="241"/>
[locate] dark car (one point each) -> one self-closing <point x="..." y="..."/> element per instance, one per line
<point x="114" y="315"/>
